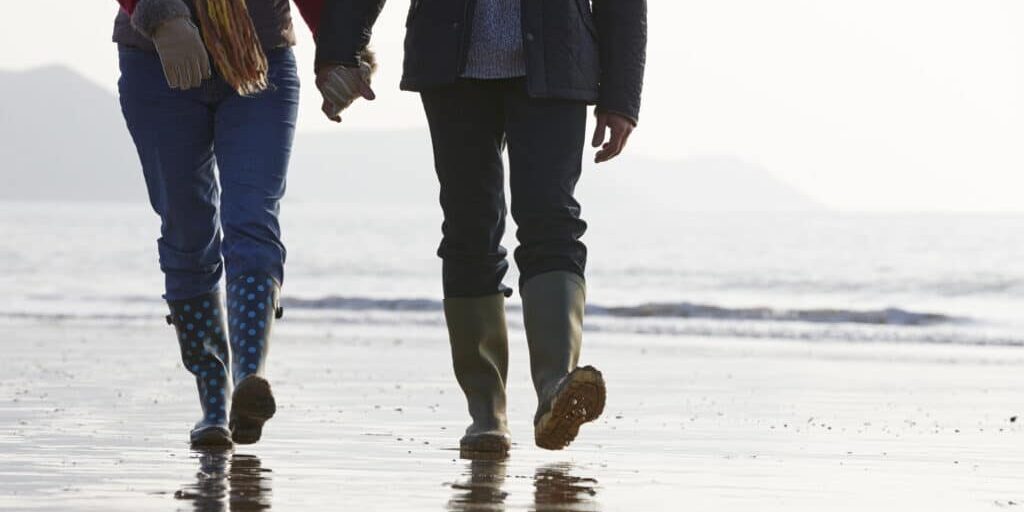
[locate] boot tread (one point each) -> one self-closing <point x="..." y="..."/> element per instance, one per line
<point x="252" y="404"/>
<point x="580" y="399"/>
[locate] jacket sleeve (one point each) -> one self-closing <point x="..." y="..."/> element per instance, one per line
<point x="311" y="11"/>
<point x="345" y="30"/>
<point x="147" y="15"/>
<point x="622" y="33"/>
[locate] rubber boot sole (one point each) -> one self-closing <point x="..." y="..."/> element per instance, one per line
<point x="210" y="437"/>
<point x="252" y="404"/>
<point x="580" y="400"/>
<point x="485" y="446"/>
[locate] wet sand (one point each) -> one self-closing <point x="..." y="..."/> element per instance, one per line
<point x="94" y="417"/>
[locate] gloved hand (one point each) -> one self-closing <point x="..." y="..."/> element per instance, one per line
<point x="182" y="53"/>
<point x="342" y="85"/>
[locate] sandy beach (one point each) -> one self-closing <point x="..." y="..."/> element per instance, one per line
<point x="95" y="417"/>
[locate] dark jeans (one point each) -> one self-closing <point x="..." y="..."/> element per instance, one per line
<point x="180" y="136"/>
<point x="470" y="123"/>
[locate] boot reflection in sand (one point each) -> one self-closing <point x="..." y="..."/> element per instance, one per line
<point x="228" y="482"/>
<point x="556" y="488"/>
<point x="483" y="490"/>
<point x="250" y="484"/>
<point x="210" y="490"/>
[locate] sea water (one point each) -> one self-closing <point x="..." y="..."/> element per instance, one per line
<point x="819" y="276"/>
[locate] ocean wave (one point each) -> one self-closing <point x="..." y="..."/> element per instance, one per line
<point x="811" y="332"/>
<point x="892" y="316"/>
<point x="419" y="315"/>
<point x="887" y="316"/>
<point x="362" y="304"/>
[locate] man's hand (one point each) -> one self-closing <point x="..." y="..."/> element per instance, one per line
<point x="341" y="85"/>
<point x="182" y="53"/>
<point x="621" y="128"/>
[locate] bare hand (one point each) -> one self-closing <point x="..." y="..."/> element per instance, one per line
<point x="621" y="128"/>
<point x="340" y="86"/>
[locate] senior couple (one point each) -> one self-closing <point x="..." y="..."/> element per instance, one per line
<point x="208" y="83"/>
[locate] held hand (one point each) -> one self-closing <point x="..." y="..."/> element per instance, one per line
<point x="182" y="53"/>
<point x="340" y="86"/>
<point x="621" y="128"/>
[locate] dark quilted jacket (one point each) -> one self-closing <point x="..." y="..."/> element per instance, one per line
<point x="573" y="51"/>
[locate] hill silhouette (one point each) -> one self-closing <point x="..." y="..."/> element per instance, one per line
<point x="65" y="140"/>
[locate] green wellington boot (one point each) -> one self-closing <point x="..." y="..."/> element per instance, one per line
<point x="479" y="339"/>
<point x="567" y="396"/>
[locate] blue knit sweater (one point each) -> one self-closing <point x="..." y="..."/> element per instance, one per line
<point x="496" y="43"/>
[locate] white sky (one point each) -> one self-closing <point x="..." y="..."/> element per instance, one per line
<point x="876" y="105"/>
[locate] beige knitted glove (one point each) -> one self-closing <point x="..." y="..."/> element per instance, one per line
<point x="182" y="53"/>
<point x="340" y="85"/>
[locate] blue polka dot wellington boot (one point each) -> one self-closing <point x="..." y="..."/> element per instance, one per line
<point x="253" y="305"/>
<point x="202" y="336"/>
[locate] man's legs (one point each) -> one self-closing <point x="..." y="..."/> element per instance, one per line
<point x="253" y="143"/>
<point x="467" y="130"/>
<point x="173" y="133"/>
<point x="546" y="139"/>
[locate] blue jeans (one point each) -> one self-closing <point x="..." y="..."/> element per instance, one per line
<point x="212" y="222"/>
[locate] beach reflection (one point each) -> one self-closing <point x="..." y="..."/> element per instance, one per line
<point x="555" y="488"/>
<point x="482" y="489"/>
<point x="227" y="481"/>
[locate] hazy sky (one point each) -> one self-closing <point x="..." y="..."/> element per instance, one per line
<point x="864" y="105"/>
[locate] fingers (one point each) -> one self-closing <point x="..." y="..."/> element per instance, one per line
<point x="365" y="91"/>
<point x="366" y="73"/>
<point x="332" y="112"/>
<point x="600" y="130"/>
<point x="194" y="75"/>
<point x="338" y="90"/>
<point x="620" y="135"/>
<point x="343" y="83"/>
<point x="621" y="128"/>
<point x="340" y="87"/>
<point x="612" y="148"/>
<point x="331" y="94"/>
<point x="174" y="77"/>
<point x="338" y="99"/>
<point x="185" y="76"/>
<point x="204" y="68"/>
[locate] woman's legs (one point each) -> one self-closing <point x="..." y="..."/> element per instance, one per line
<point x="253" y="141"/>
<point x="173" y="133"/>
